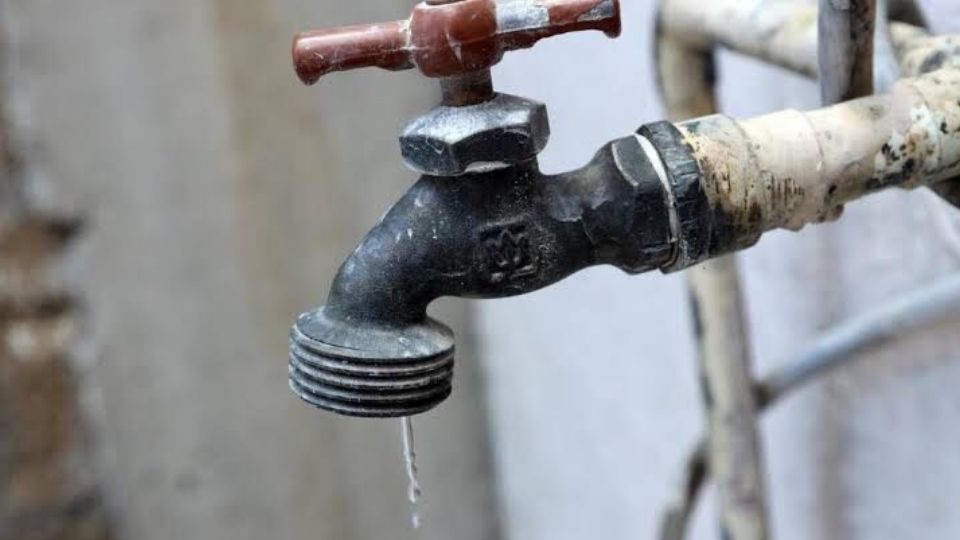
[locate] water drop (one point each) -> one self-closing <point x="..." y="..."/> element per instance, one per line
<point x="410" y="460"/>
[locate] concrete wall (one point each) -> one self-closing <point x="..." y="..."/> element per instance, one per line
<point x="592" y="384"/>
<point x="222" y="195"/>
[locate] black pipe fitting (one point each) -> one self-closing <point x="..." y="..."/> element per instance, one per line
<point x="704" y="229"/>
<point x="373" y="351"/>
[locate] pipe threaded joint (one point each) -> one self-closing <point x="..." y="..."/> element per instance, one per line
<point x="370" y="371"/>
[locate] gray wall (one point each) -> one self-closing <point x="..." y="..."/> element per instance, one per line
<point x="222" y="196"/>
<point x="592" y="382"/>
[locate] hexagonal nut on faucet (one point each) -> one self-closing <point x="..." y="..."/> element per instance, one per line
<point x="452" y="141"/>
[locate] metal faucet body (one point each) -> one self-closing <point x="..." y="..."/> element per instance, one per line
<point x="482" y="221"/>
<point x="373" y="351"/>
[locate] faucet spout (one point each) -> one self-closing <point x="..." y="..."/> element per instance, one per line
<point x="373" y="351"/>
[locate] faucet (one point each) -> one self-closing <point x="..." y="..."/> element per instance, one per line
<point x="482" y="221"/>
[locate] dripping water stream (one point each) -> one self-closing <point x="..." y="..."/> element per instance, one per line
<point x="410" y="460"/>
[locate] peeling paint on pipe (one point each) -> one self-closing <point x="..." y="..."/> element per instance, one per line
<point x="791" y="168"/>
<point x="784" y="33"/>
<point x="920" y="53"/>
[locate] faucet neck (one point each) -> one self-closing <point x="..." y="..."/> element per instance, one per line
<point x="467" y="89"/>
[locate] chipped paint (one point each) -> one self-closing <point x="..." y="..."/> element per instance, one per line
<point x="920" y="53"/>
<point x="521" y="16"/>
<point x="449" y="39"/>
<point x="758" y="176"/>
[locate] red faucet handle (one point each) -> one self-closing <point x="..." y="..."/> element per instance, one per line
<point x="449" y="39"/>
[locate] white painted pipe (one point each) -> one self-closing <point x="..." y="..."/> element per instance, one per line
<point x="780" y="32"/>
<point x="790" y="168"/>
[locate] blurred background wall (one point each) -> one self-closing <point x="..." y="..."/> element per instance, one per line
<point x="221" y="196"/>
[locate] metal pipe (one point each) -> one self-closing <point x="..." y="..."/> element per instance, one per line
<point x="886" y="68"/>
<point x="882" y="326"/>
<point x="790" y="168"/>
<point x="836" y="349"/>
<point x="845" y="49"/>
<point x="686" y="77"/>
<point x="735" y="451"/>
<point x="784" y="33"/>
<point x="779" y="32"/>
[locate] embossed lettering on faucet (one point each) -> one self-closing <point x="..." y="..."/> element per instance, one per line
<point x="507" y="252"/>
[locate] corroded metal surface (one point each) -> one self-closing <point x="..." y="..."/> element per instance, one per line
<point x="512" y="230"/>
<point x="918" y="53"/>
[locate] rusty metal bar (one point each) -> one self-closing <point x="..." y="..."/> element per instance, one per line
<point x="919" y="52"/>
<point x="784" y="33"/>
<point x="686" y="77"/>
<point x="779" y="32"/>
